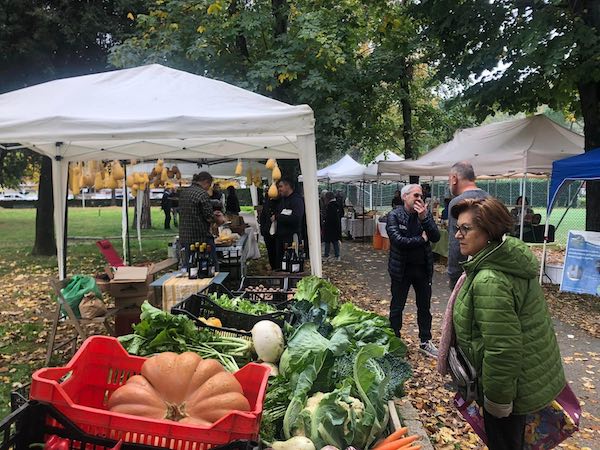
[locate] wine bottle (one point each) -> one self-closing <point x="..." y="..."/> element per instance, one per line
<point x="295" y="260"/>
<point x="286" y="259"/>
<point x="192" y="263"/>
<point x="301" y="257"/>
<point x="211" y="262"/>
<point x="203" y="262"/>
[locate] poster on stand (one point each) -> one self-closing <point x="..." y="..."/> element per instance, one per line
<point x="581" y="273"/>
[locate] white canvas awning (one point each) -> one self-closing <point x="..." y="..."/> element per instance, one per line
<point x="343" y="165"/>
<point x="524" y="145"/>
<point x="367" y="173"/>
<point x="153" y="112"/>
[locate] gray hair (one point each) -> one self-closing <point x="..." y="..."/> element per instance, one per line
<point x="409" y="187"/>
<point x="463" y="170"/>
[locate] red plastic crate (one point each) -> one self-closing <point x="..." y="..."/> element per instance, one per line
<point x="81" y="389"/>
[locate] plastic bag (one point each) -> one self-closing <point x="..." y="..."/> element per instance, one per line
<point x="76" y="289"/>
<point x="92" y="306"/>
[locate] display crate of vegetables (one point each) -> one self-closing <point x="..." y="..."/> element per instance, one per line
<point x="107" y="392"/>
<point x="340" y="367"/>
<point x="234" y="313"/>
<point x="39" y="423"/>
<point x="270" y="290"/>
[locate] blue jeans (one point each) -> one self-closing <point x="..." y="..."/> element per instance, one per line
<point x="336" y="248"/>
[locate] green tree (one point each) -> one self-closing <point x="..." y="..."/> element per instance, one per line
<point x="516" y="55"/>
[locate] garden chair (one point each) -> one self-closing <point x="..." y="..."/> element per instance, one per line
<point x="110" y="254"/>
<point x="79" y="324"/>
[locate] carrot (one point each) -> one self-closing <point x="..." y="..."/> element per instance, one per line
<point x="395" y="435"/>
<point x="410" y="447"/>
<point x="397" y="444"/>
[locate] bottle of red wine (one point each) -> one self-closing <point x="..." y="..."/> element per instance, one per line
<point x="211" y="262"/>
<point x="203" y="262"/>
<point x="285" y="262"/>
<point x="301" y="257"/>
<point x="295" y="260"/>
<point x="193" y="263"/>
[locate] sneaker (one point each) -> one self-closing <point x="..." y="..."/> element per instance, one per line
<point x="338" y="258"/>
<point x="428" y="349"/>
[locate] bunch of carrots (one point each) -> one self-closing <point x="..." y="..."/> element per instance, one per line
<point x="397" y="441"/>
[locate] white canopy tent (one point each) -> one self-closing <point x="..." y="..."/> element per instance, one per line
<point x="367" y="173"/>
<point x="523" y="145"/>
<point x="346" y="164"/>
<point x="217" y="168"/>
<point x="153" y="112"/>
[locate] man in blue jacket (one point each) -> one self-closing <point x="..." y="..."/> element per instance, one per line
<point x="411" y="228"/>
<point x="289" y="214"/>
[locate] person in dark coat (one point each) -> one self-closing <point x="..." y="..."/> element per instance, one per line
<point x="232" y="204"/>
<point x="289" y="215"/>
<point x="397" y="200"/>
<point x="165" y="205"/>
<point x="411" y="228"/>
<point x="268" y="209"/>
<point x="332" y="226"/>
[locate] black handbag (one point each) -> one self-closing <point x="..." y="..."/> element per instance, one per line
<point x="463" y="374"/>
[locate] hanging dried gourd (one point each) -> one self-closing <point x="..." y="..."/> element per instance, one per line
<point x="98" y="182"/>
<point x="117" y="171"/>
<point x="130" y="180"/>
<point x="239" y="168"/>
<point x="134" y="189"/>
<point x="273" y="191"/>
<point x="248" y="177"/>
<point x="270" y="163"/>
<point x="110" y="183"/>
<point x="75" y="186"/>
<point x="159" y="166"/>
<point x="87" y="179"/>
<point x="164" y="176"/>
<point x="276" y="173"/>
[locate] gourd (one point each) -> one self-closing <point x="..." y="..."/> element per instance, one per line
<point x="183" y="388"/>
<point x="273" y="191"/>
<point x="239" y="168"/>
<point x="270" y="163"/>
<point x="117" y="171"/>
<point x="276" y="173"/>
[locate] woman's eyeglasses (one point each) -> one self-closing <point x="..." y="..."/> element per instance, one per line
<point x="463" y="229"/>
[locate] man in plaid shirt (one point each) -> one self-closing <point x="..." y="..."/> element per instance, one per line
<point x="196" y="214"/>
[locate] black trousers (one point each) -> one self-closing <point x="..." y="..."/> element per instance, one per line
<point x="270" y="243"/>
<point x="416" y="276"/>
<point x="507" y="433"/>
<point x="167" y="218"/>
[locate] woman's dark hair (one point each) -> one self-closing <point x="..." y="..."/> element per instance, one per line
<point x="489" y="214"/>
<point x="230" y="190"/>
<point x="520" y="197"/>
<point x="329" y="196"/>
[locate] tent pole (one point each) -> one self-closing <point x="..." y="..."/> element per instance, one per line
<point x="126" y="207"/>
<point x="66" y="225"/>
<point x="60" y="192"/>
<point x="523" y="197"/>
<point x="546" y="228"/>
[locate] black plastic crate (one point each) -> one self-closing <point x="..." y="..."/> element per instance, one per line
<point x="292" y="282"/>
<point x="219" y="289"/>
<point x="29" y="424"/>
<point x="199" y="305"/>
<point x="266" y="289"/>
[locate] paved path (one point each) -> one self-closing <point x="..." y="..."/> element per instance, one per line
<point x="581" y="352"/>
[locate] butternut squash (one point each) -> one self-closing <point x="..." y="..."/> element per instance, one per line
<point x="183" y="388"/>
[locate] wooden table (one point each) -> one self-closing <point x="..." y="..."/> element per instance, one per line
<point x="178" y="287"/>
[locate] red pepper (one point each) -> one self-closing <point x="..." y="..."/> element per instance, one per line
<point x="55" y="442"/>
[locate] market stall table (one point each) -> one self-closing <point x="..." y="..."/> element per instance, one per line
<point x="360" y="227"/>
<point x="174" y="287"/>
<point x="233" y="257"/>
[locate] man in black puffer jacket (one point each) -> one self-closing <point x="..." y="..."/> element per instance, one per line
<point x="289" y="214"/>
<point x="411" y="228"/>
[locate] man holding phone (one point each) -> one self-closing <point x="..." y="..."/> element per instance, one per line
<point x="411" y="228"/>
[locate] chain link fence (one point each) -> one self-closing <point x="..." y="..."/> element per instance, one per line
<point x="568" y="212"/>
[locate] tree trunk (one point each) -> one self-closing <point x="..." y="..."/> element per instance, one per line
<point x="113" y="197"/>
<point x="146" y="210"/>
<point x="407" y="133"/>
<point x="45" y="244"/>
<point x="589" y="97"/>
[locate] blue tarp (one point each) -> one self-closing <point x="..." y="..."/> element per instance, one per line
<point x="576" y="168"/>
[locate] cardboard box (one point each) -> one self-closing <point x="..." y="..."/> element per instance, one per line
<point x="130" y="285"/>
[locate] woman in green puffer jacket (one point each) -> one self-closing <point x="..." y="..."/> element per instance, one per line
<point x="502" y="322"/>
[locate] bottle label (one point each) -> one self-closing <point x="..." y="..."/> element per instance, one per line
<point x="194" y="272"/>
<point x="295" y="268"/>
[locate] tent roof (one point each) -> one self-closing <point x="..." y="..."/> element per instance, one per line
<point x="366" y="173"/>
<point x="148" y="112"/>
<point x="531" y="144"/>
<point x="581" y="167"/>
<point x="346" y="164"/>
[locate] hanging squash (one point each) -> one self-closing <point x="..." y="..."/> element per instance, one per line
<point x="270" y="163"/>
<point x="99" y="182"/>
<point x="87" y="177"/>
<point x="273" y="191"/>
<point x="159" y="166"/>
<point x="276" y="174"/>
<point x="75" y="186"/>
<point x="134" y="190"/>
<point x="164" y="176"/>
<point x="117" y="171"/>
<point x="110" y="183"/>
<point x="239" y="168"/>
<point x="130" y="181"/>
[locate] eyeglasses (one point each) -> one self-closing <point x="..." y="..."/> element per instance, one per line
<point x="463" y="229"/>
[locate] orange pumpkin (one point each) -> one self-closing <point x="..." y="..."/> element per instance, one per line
<point x="184" y="388"/>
